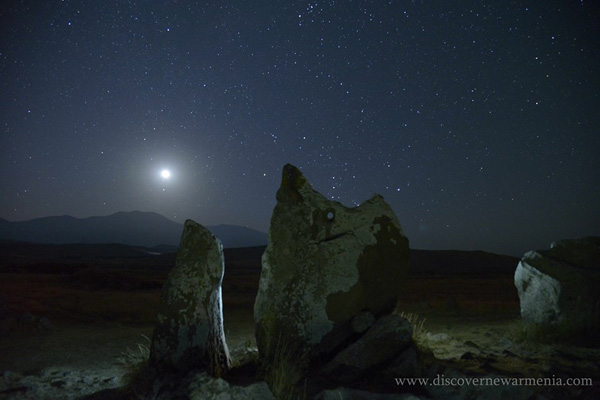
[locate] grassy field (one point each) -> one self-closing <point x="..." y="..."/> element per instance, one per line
<point x="469" y="320"/>
<point x="108" y="294"/>
<point x="467" y="294"/>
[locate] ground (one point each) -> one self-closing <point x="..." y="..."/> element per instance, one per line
<point x="62" y="334"/>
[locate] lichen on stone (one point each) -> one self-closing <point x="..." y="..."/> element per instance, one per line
<point x="324" y="264"/>
<point x="190" y="319"/>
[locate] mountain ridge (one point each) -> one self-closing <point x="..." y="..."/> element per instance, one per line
<point x="133" y="228"/>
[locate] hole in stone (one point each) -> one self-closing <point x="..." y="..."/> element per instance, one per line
<point x="330" y="215"/>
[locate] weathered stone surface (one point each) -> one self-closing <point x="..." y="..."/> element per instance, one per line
<point x="189" y="332"/>
<point x="355" y="394"/>
<point x="324" y="264"/>
<point x="561" y="284"/>
<point x="60" y="382"/>
<point x="405" y="365"/>
<point x="381" y="344"/>
<point x="204" y="387"/>
<point x="362" y="321"/>
<point x="446" y="383"/>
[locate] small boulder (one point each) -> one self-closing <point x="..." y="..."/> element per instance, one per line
<point x="324" y="265"/>
<point x="201" y="386"/>
<point x="362" y="321"/>
<point x="380" y="345"/>
<point x="406" y="365"/>
<point x="189" y="332"/>
<point x="561" y="284"/>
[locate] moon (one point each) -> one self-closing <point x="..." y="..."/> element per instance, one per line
<point x="165" y="173"/>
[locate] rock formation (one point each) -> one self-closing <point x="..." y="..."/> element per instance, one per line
<point x="200" y="386"/>
<point x="561" y="284"/>
<point x="189" y="333"/>
<point x="383" y="343"/>
<point x="325" y="270"/>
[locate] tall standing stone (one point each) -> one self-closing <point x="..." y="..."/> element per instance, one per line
<point x="325" y="264"/>
<point x="189" y="332"/>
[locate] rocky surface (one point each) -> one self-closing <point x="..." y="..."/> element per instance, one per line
<point x="200" y="386"/>
<point x="450" y="383"/>
<point x="57" y="383"/>
<point x="189" y="332"/>
<point x="561" y="284"/>
<point x="324" y="265"/>
<point x="85" y="358"/>
<point x="355" y="394"/>
<point x="384" y="342"/>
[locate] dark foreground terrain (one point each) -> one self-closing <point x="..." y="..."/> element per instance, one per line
<point x="67" y="313"/>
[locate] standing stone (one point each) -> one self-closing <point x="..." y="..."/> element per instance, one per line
<point x="189" y="333"/>
<point x="561" y="284"/>
<point x="324" y="265"/>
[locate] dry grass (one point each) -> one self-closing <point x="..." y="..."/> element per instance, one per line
<point x="135" y="362"/>
<point x="573" y="329"/>
<point x="417" y="323"/>
<point x="283" y="373"/>
<point x="281" y="366"/>
<point x="567" y="333"/>
<point x="419" y="334"/>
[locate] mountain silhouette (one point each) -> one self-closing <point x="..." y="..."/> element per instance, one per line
<point x="135" y="228"/>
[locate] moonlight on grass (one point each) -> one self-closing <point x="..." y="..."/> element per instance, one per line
<point x="165" y="174"/>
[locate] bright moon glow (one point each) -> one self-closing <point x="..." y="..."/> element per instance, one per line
<point x="165" y="173"/>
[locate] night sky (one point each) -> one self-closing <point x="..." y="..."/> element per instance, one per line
<point x="478" y="121"/>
